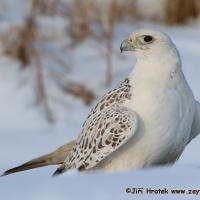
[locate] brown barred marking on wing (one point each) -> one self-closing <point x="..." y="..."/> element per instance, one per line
<point x="116" y="96"/>
<point x="117" y="125"/>
<point x="107" y="127"/>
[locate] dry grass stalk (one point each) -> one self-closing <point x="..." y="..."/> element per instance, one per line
<point x="179" y="11"/>
<point x="126" y="10"/>
<point x="79" y="90"/>
<point x="20" y="46"/>
<point x="18" y="42"/>
<point x="80" y="19"/>
<point x="42" y="97"/>
<point x="84" y="14"/>
<point x="45" y="7"/>
<point x="25" y="52"/>
<point x="74" y="88"/>
<point x="109" y="40"/>
<point x="197" y="6"/>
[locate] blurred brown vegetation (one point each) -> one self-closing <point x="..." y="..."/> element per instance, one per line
<point x="83" y="15"/>
<point x="180" y="11"/>
<point x="94" y="19"/>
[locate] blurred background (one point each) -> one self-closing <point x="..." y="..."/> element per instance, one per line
<point x="58" y="57"/>
<point x="60" y="54"/>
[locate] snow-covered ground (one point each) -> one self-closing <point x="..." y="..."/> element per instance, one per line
<point x="24" y="133"/>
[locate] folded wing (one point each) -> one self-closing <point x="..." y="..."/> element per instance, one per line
<point x="105" y="133"/>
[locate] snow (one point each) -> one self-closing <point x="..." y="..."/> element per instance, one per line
<point x="37" y="185"/>
<point x="25" y="134"/>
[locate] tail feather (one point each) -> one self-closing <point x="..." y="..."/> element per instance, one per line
<point x="59" y="171"/>
<point x="35" y="163"/>
<point x="54" y="158"/>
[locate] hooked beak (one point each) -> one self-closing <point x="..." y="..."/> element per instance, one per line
<point x="127" y="46"/>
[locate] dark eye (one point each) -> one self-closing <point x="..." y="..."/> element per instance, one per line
<point x="148" y="38"/>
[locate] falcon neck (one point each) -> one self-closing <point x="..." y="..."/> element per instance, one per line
<point x="155" y="69"/>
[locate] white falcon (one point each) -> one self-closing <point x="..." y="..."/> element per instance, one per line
<point x="147" y="120"/>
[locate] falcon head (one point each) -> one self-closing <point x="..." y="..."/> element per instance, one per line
<point x="147" y="43"/>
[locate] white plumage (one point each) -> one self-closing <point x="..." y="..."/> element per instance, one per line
<point x="147" y="120"/>
<point x="163" y="109"/>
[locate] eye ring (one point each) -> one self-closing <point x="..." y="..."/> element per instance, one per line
<point x="130" y="40"/>
<point x="148" y="38"/>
